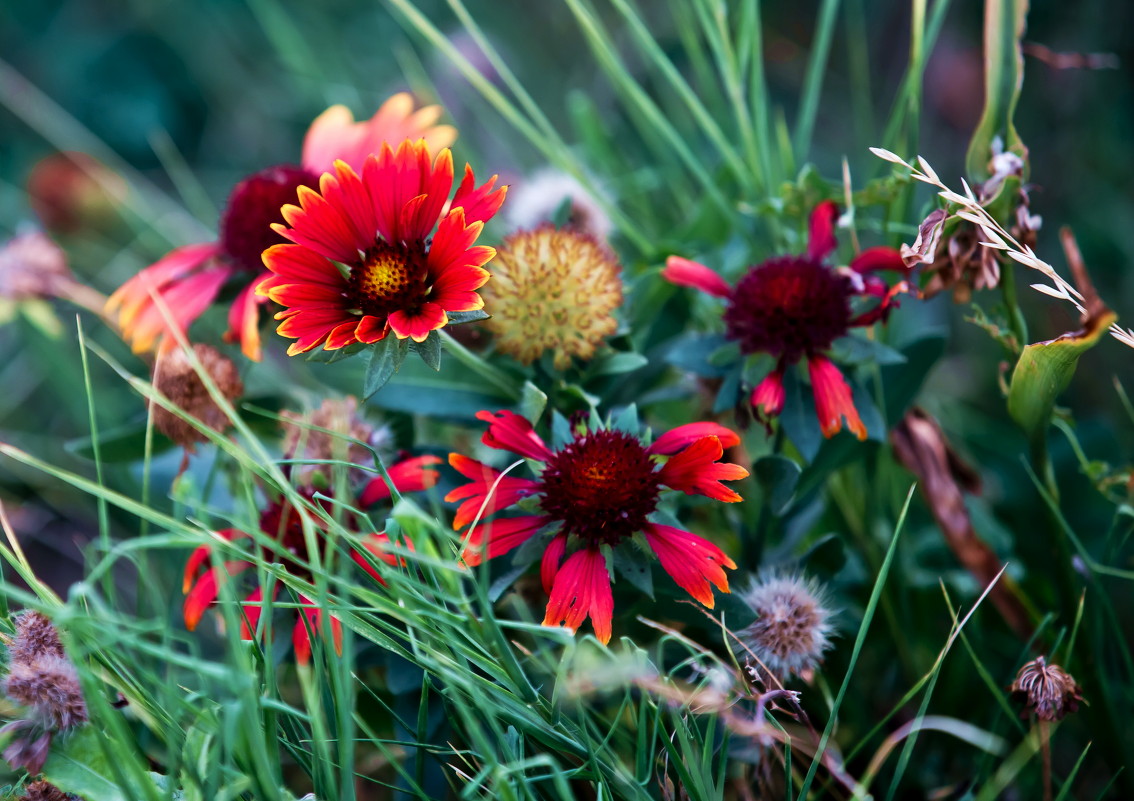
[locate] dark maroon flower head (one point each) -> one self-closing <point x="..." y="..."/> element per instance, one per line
<point x="789" y="307"/>
<point x="253" y="205"/>
<point x="602" y="486"/>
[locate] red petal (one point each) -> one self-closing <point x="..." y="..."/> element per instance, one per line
<point x="821" y="233"/>
<point x="833" y="400"/>
<point x="408" y="475"/>
<point x="375" y="545"/>
<point x="684" y="272"/>
<point x="201" y="554"/>
<point x="510" y="432"/>
<point x="185" y="300"/>
<point x="503" y="536"/>
<point x="480" y="203"/>
<point x="417" y="325"/>
<point x="691" y="561"/>
<point x="681" y="437"/>
<point x="768" y="396"/>
<point x="549" y="564"/>
<point x="879" y="258"/>
<point x="205" y="591"/>
<point x="244" y="322"/>
<point x="253" y="607"/>
<point x="582" y="590"/>
<point x="129" y="298"/>
<point x="488" y="492"/>
<point x="696" y="471"/>
<point x="307" y="624"/>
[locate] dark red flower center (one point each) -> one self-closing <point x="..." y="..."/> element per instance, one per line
<point x="789" y="307"/>
<point x="389" y="278"/>
<point x="281" y="522"/>
<point x="253" y="205"/>
<point x="601" y="486"/>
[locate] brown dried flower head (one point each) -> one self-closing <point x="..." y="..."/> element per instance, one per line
<point x="792" y="627"/>
<point x="49" y="686"/>
<point x="36" y="637"/>
<point x="303" y="441"/>
<point x="1047" y="690"/>
<point x="70" y="191"/>
<point x="28" y="745"/>
<point x="175" y="378"/>
<point x="552" y="289"/>
<point x="44" y="791"/>
<point x="33" y="267"/>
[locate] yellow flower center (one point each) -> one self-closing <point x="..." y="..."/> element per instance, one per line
<point x="390" y="278"/>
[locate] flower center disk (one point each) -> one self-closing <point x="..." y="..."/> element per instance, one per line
<point x="789" y="307"/>
<point x="389" y="278"/>
<point x="601" y="486"/>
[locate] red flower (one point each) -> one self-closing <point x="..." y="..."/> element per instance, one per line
<point x="282" y="522"/>
<point x="189" y="278"/>
<point x="795" y="307"/>
<point x="376" y="226"/>
<point x="597" y="491"/>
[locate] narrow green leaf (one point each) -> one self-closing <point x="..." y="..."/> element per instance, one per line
<point x="1004" y="22"/>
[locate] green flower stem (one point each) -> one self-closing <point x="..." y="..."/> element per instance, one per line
<point x="1011" y="304"/>
<point x="493" y="375"/>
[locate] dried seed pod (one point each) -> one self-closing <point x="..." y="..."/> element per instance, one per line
<point x="35" y="638"/>
<point x="792" y="628"/>
<point x="50" y="686"/>
<point x="175" y="377"/>
<point x="44" y="791"/>
<point x="1047" y="690"/>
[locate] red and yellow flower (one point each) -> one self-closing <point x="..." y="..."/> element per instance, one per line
<point x="188" y="279"/>
<point x="595" y="493"/>
<point x="363" y="265"/>
<point x="794" y="308"/>
<point x="282" y="521"/>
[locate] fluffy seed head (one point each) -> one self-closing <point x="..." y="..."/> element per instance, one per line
<point x="50" y="687"/>
<point x="337" y="415"/>
<point x="1047" y="690"/>
<point x="552" y="289"/>
<point x="792" y="628"/>
<point x="35" y="638"/>
<point x="32" y="266"/>
<point x="175" y="378"/>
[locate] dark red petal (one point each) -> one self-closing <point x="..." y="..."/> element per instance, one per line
<point x="821" y="230"/>
<point x="691" y="561"/>
<point x="768" y="396"/>
<point x="879" y="258"/>
<point x="549" y="564"/>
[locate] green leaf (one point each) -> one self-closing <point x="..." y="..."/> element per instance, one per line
<point x="627" y="420"/>
<point x="728" y="394"/>
<point x="778" y="476"/>
<point x="560" y="431"/>
<point x="429" y="350"/>
<point x="1044" y="370"/>
<point x="855" y="349"/>
<point x="691" y="352"/>
<point x="125" y="443"/>
<point x="632" y="566"/>
<point x="618" y="363"/>
<point x="385" y="357"/>
<point x="533" y="401"/>
<point x="78" y="765"/>
<point x="460" y="318"/>
<point x="1004" y="22"/>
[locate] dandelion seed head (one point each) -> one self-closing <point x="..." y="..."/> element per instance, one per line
<point x="792" y="628"/>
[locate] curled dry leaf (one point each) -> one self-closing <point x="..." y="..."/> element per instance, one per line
<point x="944" y="478"/>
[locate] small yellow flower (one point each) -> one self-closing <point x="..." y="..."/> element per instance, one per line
<point x="552" y="289"/>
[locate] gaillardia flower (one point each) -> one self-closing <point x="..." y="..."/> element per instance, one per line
<point x="553" y="290"/>
<point x="363" y="264"/>
<point x="188" y="278"/>
<point x="794" y="308"/>
<point x="594" y="493"/>
<point x="282" y="522"/>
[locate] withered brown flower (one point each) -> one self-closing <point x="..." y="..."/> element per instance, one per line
<point x="176" y="378"/>
<point x="44" y="791"/>
<point x="1047" y="690"/>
